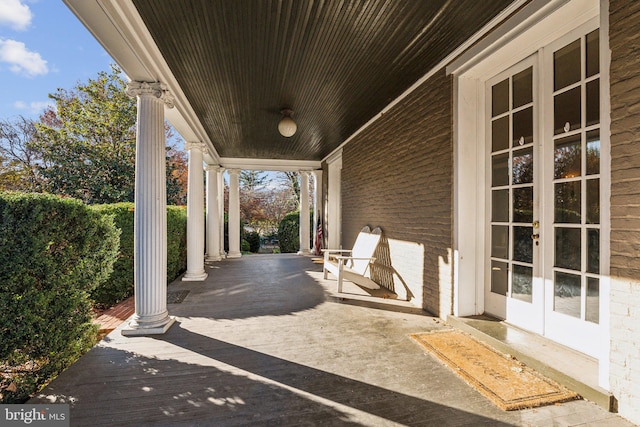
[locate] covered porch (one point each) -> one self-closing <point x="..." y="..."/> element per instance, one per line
<point x="264" y="340"/>
<point x="394" y="105"/>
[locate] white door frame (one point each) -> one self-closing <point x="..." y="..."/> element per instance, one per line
<point x="535" y="26"/>
<point x="334" y="200"/>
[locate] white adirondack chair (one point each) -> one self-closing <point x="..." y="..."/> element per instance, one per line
<point x="355" y="266"/>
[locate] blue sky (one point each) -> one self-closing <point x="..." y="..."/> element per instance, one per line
<point x="43" y="46"/>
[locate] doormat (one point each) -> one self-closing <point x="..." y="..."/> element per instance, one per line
<point x="507" y="382"/>
<point x="176" y="297"/>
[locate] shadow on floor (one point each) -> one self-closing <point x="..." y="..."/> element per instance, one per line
<point x="249" y="386"/>
<point x="242" y="288"/>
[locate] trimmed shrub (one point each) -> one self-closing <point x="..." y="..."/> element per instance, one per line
<point x="244" y="246"/>
<point x="253" y="238"/>
<point x="176" y="241"/>
<point x="53" y="253"/>
<point x="289" y="233"/>
<point x="120" y="284"/>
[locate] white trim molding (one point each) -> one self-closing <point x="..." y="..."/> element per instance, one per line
<point x="269" y="164"/>
<point x="334" y="201"/>
<point x="118" y="27"/>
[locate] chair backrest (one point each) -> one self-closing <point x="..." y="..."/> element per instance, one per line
<point x="364" y="247"/>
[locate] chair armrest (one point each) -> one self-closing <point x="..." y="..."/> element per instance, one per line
<point x="332" y="251"/>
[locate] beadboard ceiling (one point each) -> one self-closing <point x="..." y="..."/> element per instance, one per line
<point x="335" y="63"/>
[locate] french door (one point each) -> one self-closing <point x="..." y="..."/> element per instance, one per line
<point x="515" y="286"/>
<point x="544" y="183"/>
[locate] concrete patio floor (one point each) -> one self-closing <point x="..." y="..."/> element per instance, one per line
<point x="264" y="342"/>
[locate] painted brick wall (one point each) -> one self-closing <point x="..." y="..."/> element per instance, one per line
<point x="624" y="39"/>
<point x="397" y="174"/>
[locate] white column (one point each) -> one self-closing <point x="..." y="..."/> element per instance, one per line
<point x="195" y="215"/>
<point x="317" y="197"/>
<point x="150" y="218"/>
<point x="213" y="214"/>
<point x="304" y="214"/>
<point x="234" y="214"/>
<point x="223" y="254"/>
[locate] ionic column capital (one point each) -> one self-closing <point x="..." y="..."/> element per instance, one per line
<point x="200" y="146"/>
<point x="233" y="171"/>
<point x="212" y="168"/>
<point x="153" y="89"/>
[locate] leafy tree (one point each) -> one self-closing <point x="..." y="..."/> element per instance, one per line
<point x="19" y="158"/>
<point x="177" y="177"/>
<point x="251" y="181"/>
<point x="290" y="180"/>
<point x="87" y="143"/>
<point x="252" y="209"/>
<point x="262" y="206"/>
<point x="278" y="203"/>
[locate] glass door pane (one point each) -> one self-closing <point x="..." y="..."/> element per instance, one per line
<point x="512" y="185"/>
<point x="576" y="178"/>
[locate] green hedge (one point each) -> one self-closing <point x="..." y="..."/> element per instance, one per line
<point x="53" y="253"/>
<point x="253" y="238"/>
<point x="176" y="241"/>
<point x="120" y="285"/>
<point x="288" y="233"/>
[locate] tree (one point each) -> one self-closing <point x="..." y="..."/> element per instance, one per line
<point x="279" y="203"/>
<point x="252" y="212"/>
<point x="290" y="180"/>
<point x="177" y="177"/>
<point x="251" y="181"/>
<point x="87" y="143"/>
<point x="19" y="158"/>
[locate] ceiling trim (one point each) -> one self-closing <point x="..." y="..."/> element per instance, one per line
<point x="495" y="22"/>
<point x="118" y="27"/>
<point x="535" y="26"/>
<point x="270" y="164"/>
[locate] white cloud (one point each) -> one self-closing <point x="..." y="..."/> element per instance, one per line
<point x="34" y="107"/>
<point x="15" y="14"/>
<point x="21" y="60"/>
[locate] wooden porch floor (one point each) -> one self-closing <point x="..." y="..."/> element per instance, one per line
<point x="264" y="341"/>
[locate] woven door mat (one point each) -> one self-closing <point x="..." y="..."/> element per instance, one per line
<point x="508" y="383"/>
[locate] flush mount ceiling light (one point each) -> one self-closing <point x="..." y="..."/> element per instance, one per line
<point x="286" y="126"/>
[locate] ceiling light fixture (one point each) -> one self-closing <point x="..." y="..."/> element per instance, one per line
<point x="286" y="126"/>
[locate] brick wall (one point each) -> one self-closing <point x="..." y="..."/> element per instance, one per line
<point x="397" y="174"/>
<point x="624" y="39"/>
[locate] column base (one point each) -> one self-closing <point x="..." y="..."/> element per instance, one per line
<point x="194" y="277"/>
<point x="213" y="258"/>
<point x="304" y="252"/>
<point x="234" y="254"/>
<point x="134" y="329"/>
